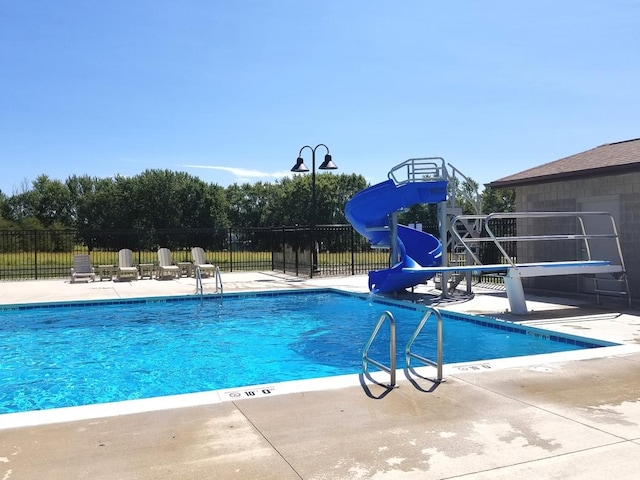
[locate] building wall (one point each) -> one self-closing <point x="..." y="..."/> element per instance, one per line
<point x="568" y="196"/>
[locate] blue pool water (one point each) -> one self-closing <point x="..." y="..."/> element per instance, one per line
<point x="75" y="354"/>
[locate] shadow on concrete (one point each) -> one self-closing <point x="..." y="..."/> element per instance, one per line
<point x="385" y="389"/>
<point x="434" y="383"/>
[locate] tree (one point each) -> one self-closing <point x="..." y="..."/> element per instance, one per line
<point x="20" y="206"/>
<point x="498" y="200"/>
<point x="426" y="214"/>
<point x="251" y="205"/>
<point x="166" y="199"/>
<point x="51" y="202"/>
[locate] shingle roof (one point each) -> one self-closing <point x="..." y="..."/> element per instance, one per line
<point x="607" y="158"/>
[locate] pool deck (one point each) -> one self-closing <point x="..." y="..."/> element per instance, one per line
<point x="559" y="416"/>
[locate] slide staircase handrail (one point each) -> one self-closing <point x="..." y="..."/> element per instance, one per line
<point x="456" y="188"/>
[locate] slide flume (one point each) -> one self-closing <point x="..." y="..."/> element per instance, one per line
<point x="368" y="211"/>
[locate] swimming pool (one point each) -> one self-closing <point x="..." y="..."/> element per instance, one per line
<point x="78" y="353"/>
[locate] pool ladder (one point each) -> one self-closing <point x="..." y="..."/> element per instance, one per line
<point x="391" y="369"/>
<point x="199" y="286"/>
<point x="366" y="360"/>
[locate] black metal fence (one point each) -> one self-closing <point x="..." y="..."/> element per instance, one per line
<point x="40" y="254"/>
<point x="337" y="249"/>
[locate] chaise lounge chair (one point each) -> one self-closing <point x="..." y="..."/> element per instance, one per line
<point x="166" y="267"/>
<point x="200" y="261"/>
<point x="126" y="269"/>
<point x="82" y="268"/>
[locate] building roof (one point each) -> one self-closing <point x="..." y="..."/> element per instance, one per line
<point x="606" y="159"/>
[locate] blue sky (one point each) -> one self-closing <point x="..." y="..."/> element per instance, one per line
<point x="230" y="91"/>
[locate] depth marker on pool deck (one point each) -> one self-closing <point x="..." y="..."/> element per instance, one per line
<point x="249" y="393"/>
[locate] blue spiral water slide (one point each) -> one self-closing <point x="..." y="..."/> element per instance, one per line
<point x="371" y="210"/>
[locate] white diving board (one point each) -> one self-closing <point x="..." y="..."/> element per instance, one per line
<point x="515" y="272"/>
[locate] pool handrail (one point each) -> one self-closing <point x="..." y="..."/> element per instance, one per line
<point x="199" y="285"/>
<point x="219" y="281"/>
<point x="366" y="360"/>
<point x="438" y="362"/>
<point x="198" y="275"/>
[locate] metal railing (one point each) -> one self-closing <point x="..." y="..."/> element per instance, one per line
<point x="198" y="276"/>
<point x="418" y="170"/>
<point x="41" y="254"/>
<point x="571" y="232"/>
<point x="409" y="354"/>
<point x="219" y="287"/>
<point x="366" y="360"/>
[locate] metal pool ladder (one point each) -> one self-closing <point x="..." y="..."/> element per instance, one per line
<point x="219" y="286"/>
<point x="199" y="286"/>
<point x="198" y="275"/>
<point x="391" y="369"/>
<point x="409" y="354"/>
<point x="366" y="360"/>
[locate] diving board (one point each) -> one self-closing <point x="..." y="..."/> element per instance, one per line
<point x="515" y="272"/>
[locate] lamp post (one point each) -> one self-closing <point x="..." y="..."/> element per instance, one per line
<point x="300" y="167"/>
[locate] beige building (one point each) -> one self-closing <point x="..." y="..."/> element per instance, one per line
<point x="603" y="179"/>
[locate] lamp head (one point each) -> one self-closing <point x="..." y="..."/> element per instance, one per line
<point x="328" y="163"/>
<point x="299" y="167"/>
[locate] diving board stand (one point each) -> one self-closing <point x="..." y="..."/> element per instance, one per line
<point x="598" y="250"/>
<point x="515" y="272"/>
<point x="513" y="282"/>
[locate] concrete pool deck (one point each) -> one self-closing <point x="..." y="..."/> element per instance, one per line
<point x="559" y="416"/>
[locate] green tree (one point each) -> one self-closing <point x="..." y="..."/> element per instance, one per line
<point x="51" y="202"/>
<point x="498" y="200"/>
<point x="20" y="207"/>
<point x="252" y="205"/>
<point x="332" y="193"/>
<point x="426" y="214"/>
<point x="166" y="199"/>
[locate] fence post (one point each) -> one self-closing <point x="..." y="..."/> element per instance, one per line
<point x="271" y="246"/>
<point x="353" y="253"/>
<point x="35" y="253"/>
<point x="284" y="249"/>
<point x="230" y="250"/>
<point x="296" y="235"/>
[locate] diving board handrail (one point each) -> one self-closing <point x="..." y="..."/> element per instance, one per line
<point x="515" y="271"/>
<point x="409" y="354"/>
<point x="366" y="360"/>
<point x="498" y="240"/>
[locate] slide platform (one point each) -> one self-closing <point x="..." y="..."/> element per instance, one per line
<point x="368" y="211"/>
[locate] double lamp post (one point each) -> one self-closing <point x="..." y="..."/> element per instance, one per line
<point x="300" y="167"/>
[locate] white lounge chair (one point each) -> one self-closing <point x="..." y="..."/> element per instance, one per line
<point x="200" y="261"/>
<point x="126" y="269"/>
<point x="166" y="267"/>
<point x="82" y="268"/>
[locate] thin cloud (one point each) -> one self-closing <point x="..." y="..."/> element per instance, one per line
<point x="243" y="172"/>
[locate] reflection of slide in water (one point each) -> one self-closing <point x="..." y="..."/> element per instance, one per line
<point x="368" y="212"/>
